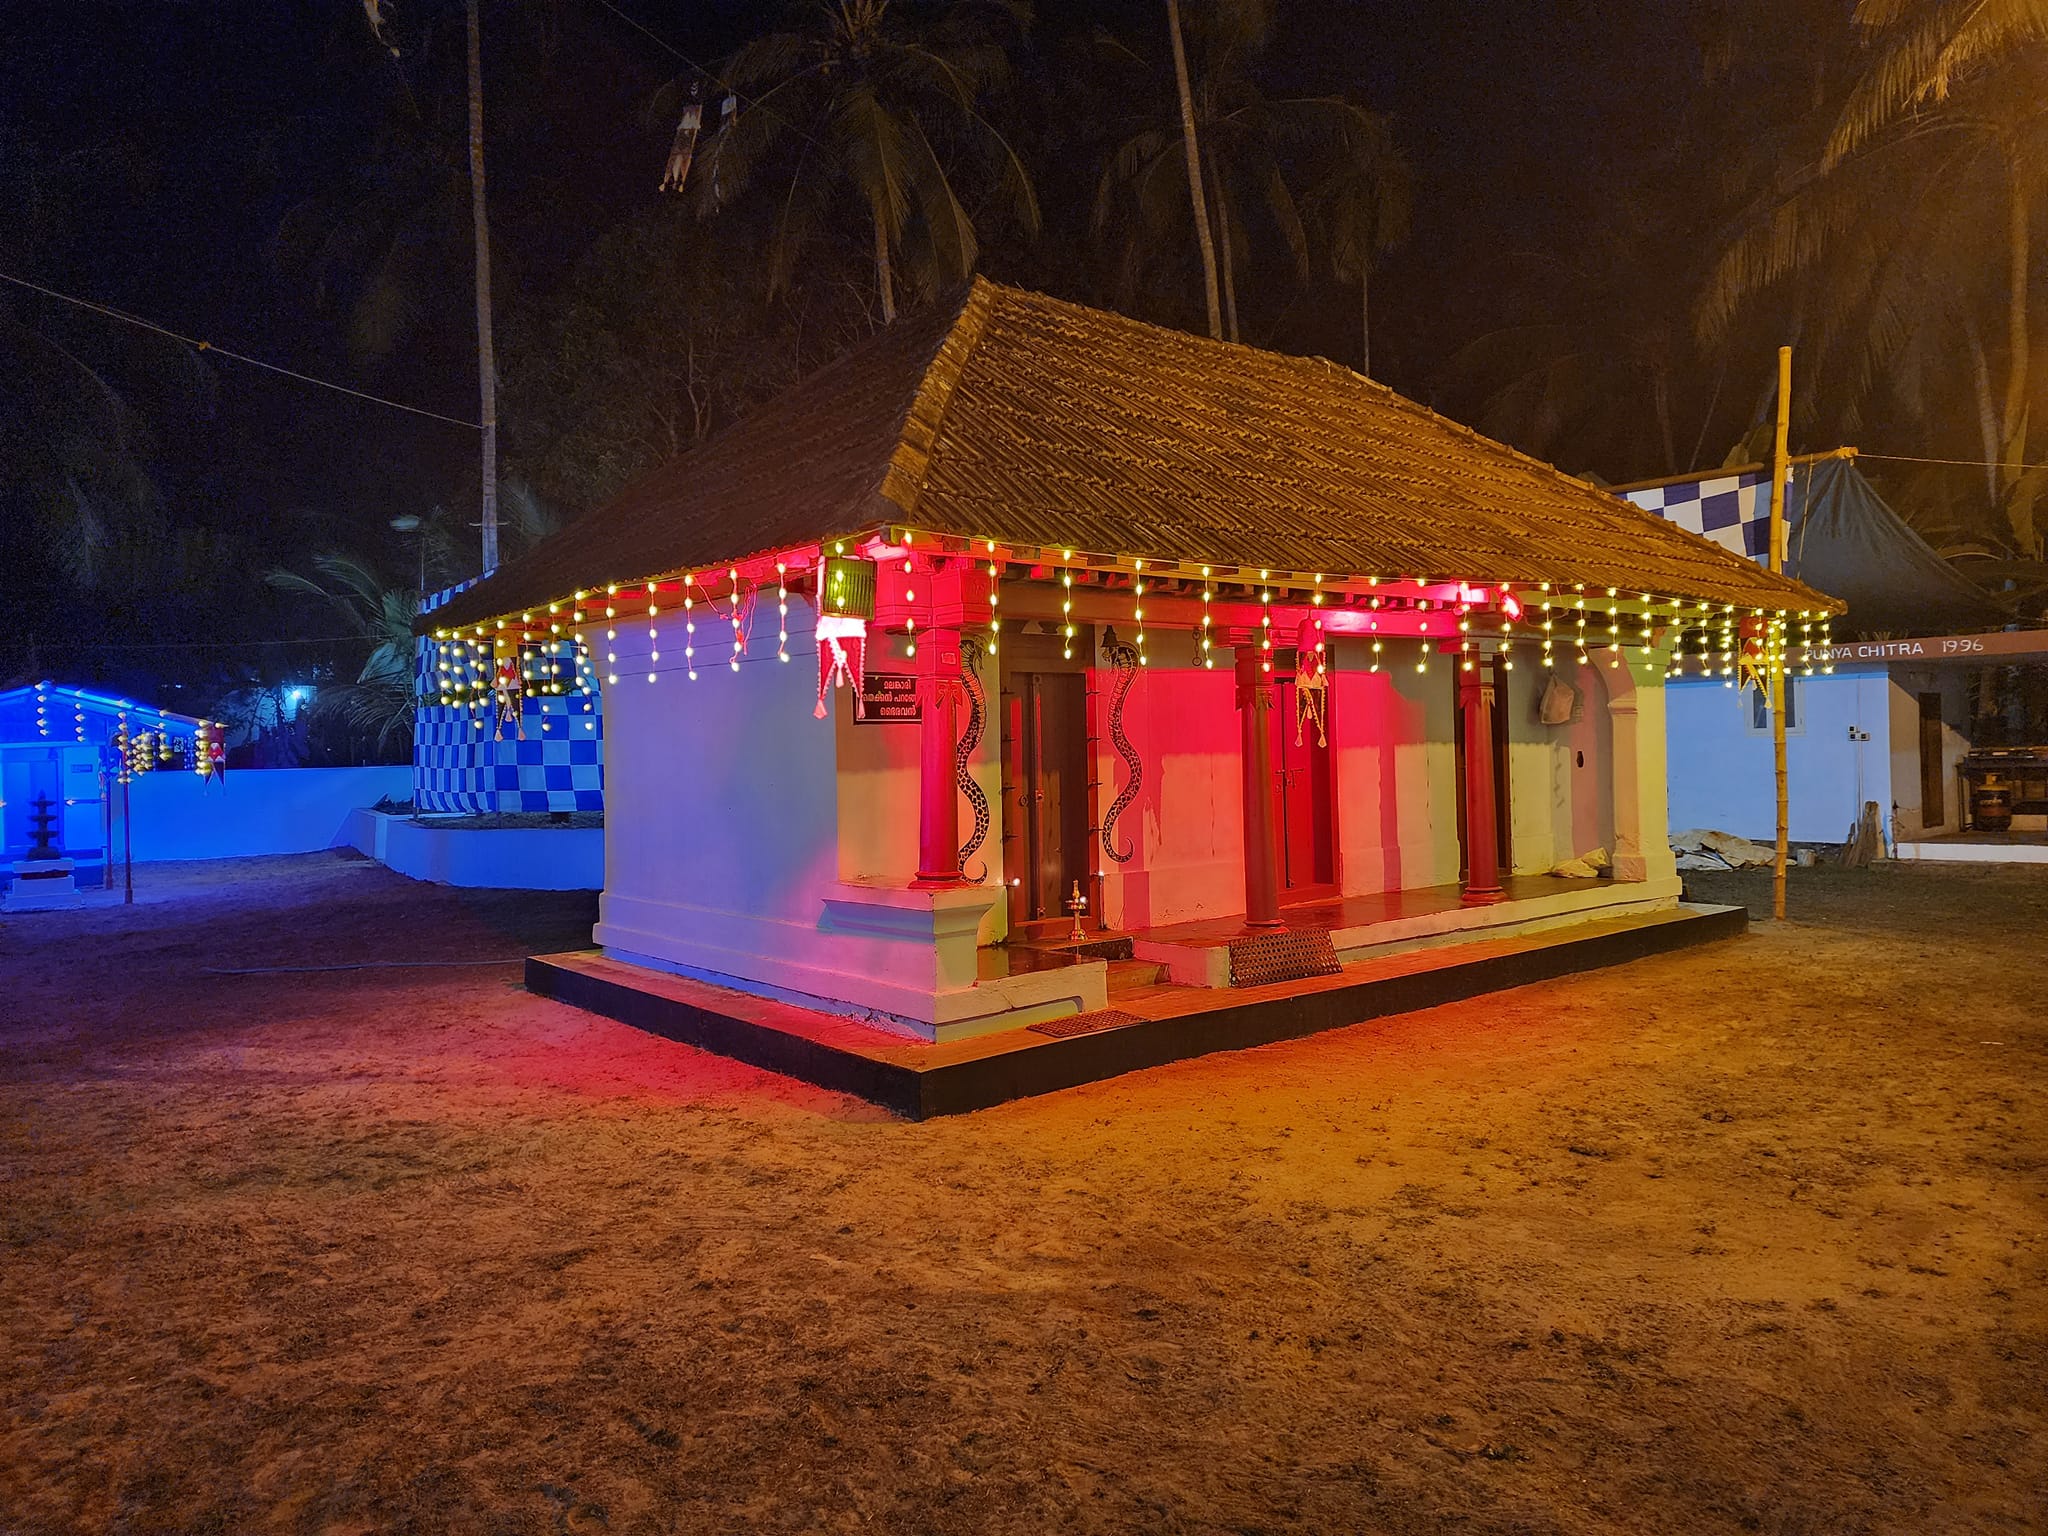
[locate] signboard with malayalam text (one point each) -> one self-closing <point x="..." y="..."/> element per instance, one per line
<point x="888" y="698"/>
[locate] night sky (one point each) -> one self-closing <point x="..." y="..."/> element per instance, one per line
<point x="157" y="151"/>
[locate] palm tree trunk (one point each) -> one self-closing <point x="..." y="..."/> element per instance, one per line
<point x="1226" y="256"/>
<point x="1187" y="134"/>
<point x="1365" y="316"/>
<point x="1660" y="399"/>
<point x="2018" y="253"/>
<point x="885" y="282"/>
<point x="1987" y="410"/>
<point x="486" y="352"/>
<point x="2018" y="493"/>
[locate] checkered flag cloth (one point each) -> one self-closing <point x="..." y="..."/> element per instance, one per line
<point x="1732" y="510"/>
<point x="460" y="764"/>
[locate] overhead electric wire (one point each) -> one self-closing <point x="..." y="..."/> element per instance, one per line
<point x="1907" y="458"/>
<point x="241" y="357"/>
<point x="198" y="645"/>
<point x="357" y="965"/>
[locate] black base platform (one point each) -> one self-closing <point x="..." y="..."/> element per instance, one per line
<point x="920" y="1080"/>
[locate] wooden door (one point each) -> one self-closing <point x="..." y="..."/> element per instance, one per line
<point x="1933" y="802"/>
<point x="1303" y="824"/>
<point x="1053" y="790"/>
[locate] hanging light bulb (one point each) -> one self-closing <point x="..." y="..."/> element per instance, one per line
<point x="738" y="640"/>
<point x="1265" y="623"/>
<point x="1067" y="611"/>
<point x="995" y="598"/>
<point x="781" y="611"/>
<point x="1138" y="608"/>
<point x="689" y="626"/>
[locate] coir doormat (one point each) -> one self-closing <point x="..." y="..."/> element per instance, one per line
<point x="1084" y="1023"/>
<point x="1291" y="954"/>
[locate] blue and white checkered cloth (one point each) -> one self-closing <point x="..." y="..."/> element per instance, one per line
<point x="1732" y="510"/>
<point x="459" y="764"/>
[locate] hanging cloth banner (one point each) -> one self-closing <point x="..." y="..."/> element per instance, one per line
<point x="1751" y="661"/>
<point x="684" y="147"/>
<point x="842" y="650"/>
<point x="1311" y="683"/>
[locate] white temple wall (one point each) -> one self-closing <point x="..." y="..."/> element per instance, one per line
<point x="1560" y="777"/>
<point x="724" y="788"/>
<point x="1187" y="823"/>
<point x="737" y="849"/>
<point x="1396" y="769"/>
<point x="880" y="784"/>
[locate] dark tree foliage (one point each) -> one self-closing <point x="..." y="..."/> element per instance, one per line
<point x="1616" y="213"/>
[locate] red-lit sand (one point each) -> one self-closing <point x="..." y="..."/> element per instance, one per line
<point x="1743" y="1238"/>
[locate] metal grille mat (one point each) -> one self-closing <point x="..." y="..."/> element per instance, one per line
<point x="1291" y="954"/>
<point x="1084" y="1023"/>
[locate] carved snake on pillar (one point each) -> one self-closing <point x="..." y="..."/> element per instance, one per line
<point x="1124" y="659"/>
<point x="970" y="675"/>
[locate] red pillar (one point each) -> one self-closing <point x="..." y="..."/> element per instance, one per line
<point x="1261" y="853"/>
<point x="1482" y="858"/>
<point x="938" y="821"/>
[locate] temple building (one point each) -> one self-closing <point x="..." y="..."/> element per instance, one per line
<point x="1026" y="621"/>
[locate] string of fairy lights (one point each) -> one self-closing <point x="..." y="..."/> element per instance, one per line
<point x="135" y="745"/>
<point x="1574" y="624"/>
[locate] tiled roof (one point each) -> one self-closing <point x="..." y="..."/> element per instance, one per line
<point x="1011" y="416"/>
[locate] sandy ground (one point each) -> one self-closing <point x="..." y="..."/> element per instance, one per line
<point x="1749" y="1238"/>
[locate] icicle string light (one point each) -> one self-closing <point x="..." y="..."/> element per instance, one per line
<point x="1265" y="624"/>
<point x="1208" y="592"/>
<point x="1067" y="609"/>
<point x="1138" y="606"/>
<point x="689" y="629"/>
<point x="995" y="598"/>
<point x="781" y="611"/>
<point x="469" y="667"/>
<point x="909" y="596"/>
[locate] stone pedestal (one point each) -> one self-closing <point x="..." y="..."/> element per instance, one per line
<point x="42" y="885"/>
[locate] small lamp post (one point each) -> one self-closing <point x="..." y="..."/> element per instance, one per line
<point x="407" y="522"/>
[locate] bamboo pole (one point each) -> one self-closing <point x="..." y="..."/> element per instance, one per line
<point x="1774" y="654"/>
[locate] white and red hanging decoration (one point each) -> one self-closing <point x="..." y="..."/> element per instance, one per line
<point x="508" y="691"/>
<point x="209" y="752"/>
<point x="846" y="601"/>
<point x="842" y="658"/>
<point x="1311" y="682"/>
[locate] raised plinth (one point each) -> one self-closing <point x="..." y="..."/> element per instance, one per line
<point x="1197" y="954"/>
<point x="922" y="1078"/>
<point x="900" y="957"/>
<point x="42" y="885"/>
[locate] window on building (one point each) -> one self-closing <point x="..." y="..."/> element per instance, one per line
<point x="1760" y="708"/>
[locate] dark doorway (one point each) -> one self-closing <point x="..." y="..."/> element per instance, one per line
<point x="1302" y="799"/>
<point x="1933" y="803"/>
<point x="1048" y="718"/>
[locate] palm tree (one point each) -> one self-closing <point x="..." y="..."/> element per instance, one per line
<point x="486" y="351"/>
<point x="383" y="696"/>
<point x="1191" y="143"/>
<point x="880" y="103"/>
<point x="1157" y="189"/>
<point x="1943" y="130"/>
<point x="1361" y="206"/>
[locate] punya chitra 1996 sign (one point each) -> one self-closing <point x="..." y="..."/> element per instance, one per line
<point x="1937" y="648"/>
<point x="889" y="697"/>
